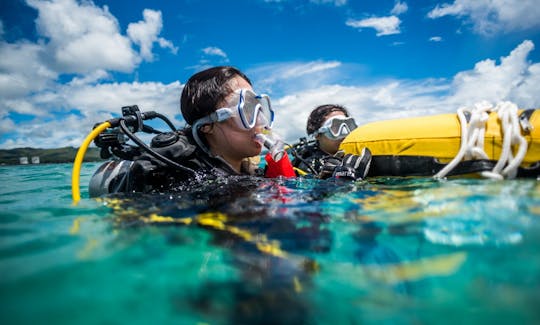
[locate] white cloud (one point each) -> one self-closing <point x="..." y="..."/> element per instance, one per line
<point x="216" y="51"/>
<point x="145" y="33"/>
<point x="166" y="44"/>
<point x="95" y="103"/>
<point x="110" y="97"/>
<point x="435" y="39"/>
<point x="399" y="8"/>
<point x="514" y="79"/>
<point x="22" y="70"/>
<point x="381" y="101"/>
<point x="82" y="37"/>
<point x="28" y="73"/>
<point x="309" y="68"/>
<point x="491" y="16"/>
<point x="383" y="25"/>
<point x="337" y="3"/>
<point x="90" y="78"/>
<point x="292" y="76"/>
<point x="7" y="125"/>
<point x="51" y="134"/>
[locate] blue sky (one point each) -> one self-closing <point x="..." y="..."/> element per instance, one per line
<point x="67" y="64"/>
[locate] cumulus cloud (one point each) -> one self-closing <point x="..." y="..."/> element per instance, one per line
<point x="83" y="37"/>
<point x="80" y="37"/>
<point x="110" y="97"/>
<point x="489" y="17"/>
<point x="383" y="100"/>
<point x="145" y="33"/>
<point x="435" y="39"/>
<point x="94" y="103"/>
<point x="7" y="125"/>
<point x="81" y="41"/>
<point x="22" y="70"/>
<point x="383" y="25"/>
<point x="28" y="74"/>
<point x="399" y="8"/>
<point x="514" y="78"/>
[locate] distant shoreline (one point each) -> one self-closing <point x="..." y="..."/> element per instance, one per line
<point x="45" y="156"/>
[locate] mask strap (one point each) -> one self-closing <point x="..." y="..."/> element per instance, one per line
<point x="195" y="133"/>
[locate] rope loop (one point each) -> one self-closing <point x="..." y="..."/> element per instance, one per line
<point x="472" y="139"/>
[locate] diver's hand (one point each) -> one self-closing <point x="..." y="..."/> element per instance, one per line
<point x="350" y="166"/>
<point x="329" y="164"/>
<point x="354" y="166"/>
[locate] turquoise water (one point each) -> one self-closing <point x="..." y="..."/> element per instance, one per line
<point x="243" y="251"/>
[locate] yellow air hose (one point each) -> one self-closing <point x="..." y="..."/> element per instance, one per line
<point x="75" y="176"/>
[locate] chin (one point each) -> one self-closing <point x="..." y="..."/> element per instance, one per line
<point x="255" y="151"/>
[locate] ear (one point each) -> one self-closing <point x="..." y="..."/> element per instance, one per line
<point x="207" y="128"/>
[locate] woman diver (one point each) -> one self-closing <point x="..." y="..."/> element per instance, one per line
<point x="329" y="125"/>
<point x="224" y="115"/>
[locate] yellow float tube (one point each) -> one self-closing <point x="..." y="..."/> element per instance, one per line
<point x="422" y="146"/>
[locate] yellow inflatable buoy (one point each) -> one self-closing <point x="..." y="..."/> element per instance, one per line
<point x="423" y="146"/>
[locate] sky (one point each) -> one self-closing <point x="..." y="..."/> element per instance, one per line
<point x="66" y="65"/>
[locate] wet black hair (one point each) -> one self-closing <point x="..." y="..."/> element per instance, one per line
<point x="205" y="90"/>
<point x="318" y="116"/>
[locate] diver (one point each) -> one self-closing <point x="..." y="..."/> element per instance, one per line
<point x="224" y="117"/>
<point x="228" y="125"/>
<point x="328" y="125"/>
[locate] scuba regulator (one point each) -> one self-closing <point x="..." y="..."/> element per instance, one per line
<point x="112" y="136"/>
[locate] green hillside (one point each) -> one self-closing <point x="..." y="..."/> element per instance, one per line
<point x="46" y="156"/>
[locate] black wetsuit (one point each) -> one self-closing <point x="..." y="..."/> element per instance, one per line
<point x="146" y="173"/>
<point x="308" y="157"/>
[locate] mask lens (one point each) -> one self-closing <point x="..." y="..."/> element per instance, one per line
<point x="266" y="114"/>
<point x="254" y="110"/>
<point x="338" y="127"/>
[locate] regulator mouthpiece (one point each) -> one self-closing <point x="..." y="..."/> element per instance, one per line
<point x="274" y="146"/>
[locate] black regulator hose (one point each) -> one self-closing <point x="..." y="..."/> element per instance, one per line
<point x="153" y="153"/>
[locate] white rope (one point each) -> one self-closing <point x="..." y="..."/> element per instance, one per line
<point x="472" y="139"/>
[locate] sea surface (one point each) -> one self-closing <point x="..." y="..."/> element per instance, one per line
<point x="259" y="251"/>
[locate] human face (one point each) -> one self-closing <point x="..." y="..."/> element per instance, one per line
<point x="227" y="139"/>
<point x="330" y="146"/>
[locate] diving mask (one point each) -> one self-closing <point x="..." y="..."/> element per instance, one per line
<point x="337" y="127"/>
<point x="251" y="110"/>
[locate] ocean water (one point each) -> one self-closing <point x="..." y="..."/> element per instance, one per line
<point x="245" y="251"/>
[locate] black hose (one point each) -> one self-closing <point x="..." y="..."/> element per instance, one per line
<point x="166" y="120"/>
<point x="156" y="155"/>
<point x="297" y="156"/>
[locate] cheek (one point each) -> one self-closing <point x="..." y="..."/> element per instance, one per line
<point x="240" y="137"/>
